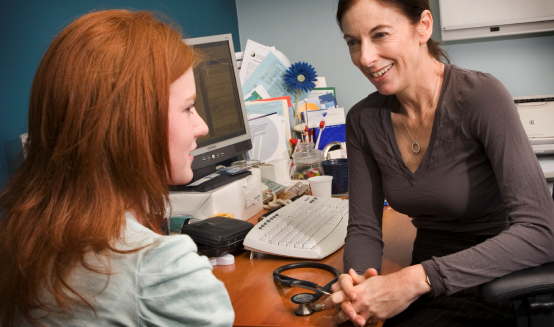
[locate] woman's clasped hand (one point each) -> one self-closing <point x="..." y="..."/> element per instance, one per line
<point x="370" y="298"/>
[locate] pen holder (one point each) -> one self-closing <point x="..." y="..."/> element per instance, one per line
<point x="338" y="168"/>
<point x="304" y="146"/>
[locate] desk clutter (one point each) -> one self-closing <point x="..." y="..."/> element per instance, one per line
<point x="295" y="126"/>
<point x="288" y="106"/>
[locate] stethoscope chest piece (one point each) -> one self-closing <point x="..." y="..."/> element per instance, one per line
<point x="303" y="300"/>
<point x="306" y="301"/>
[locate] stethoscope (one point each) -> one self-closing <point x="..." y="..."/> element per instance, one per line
<point x="305" y="301"/>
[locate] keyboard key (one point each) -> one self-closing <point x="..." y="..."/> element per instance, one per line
<point x="310" y="244"/>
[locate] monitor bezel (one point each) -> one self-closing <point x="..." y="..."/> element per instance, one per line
<point x="237" y="139"/>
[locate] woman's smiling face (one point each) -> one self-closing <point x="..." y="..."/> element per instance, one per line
<point x="384" y="45"/>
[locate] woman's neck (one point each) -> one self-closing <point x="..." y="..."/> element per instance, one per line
<point x="424" y="92"/>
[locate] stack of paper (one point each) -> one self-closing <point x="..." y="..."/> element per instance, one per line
<point x="271" y="105"/>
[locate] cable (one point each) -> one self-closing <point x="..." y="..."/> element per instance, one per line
<point x="275" y="203"/>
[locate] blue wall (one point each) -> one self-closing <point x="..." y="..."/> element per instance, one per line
<point x="27" y="28"/>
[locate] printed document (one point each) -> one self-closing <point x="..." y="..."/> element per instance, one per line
<point x="253" y="55"/>
<point x="267" y="107"/>
<point x="270" y="73"/>
<point x="259" y="93"/>
<point x="268" y="140"/>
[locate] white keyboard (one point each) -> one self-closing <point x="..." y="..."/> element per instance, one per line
<point x="308" y="228"/>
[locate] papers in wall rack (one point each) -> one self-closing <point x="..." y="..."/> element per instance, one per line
<point x="278" y="106"/>
<point x="321" y="91"/>
<point x="321" y="82"/>
<point x="334" y="125"/>
<point x="258" y="93"/>
<point x="268" y="140"/>
<point x="270" y="74"/>
<point x="253" y="55"/>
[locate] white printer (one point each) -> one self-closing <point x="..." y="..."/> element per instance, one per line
<point x="537" y="116"/>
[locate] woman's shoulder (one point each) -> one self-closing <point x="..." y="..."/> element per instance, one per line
<point x="159" y="250"/>
<point x="475" y="91"/>
<point x="169" y="270"/>
<point x="480" y="101"/>
<point x="157" y="280"/>
<point x="369" y="106"/>
<point x="475" y="83"/>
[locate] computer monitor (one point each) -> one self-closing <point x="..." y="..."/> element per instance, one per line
<point x="219" y="101"/>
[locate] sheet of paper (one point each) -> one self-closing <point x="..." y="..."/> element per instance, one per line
<point x="252" y="190"/>
<point x="270" y="73"/>
<point x="254" y="54"/>
<point x="281" y="57"/>
<point x="279" y="98"/>
<point x="334" y="127"/>
<point x="316" y="117"/>
<point x="238" y="57"/>
<point x="279" y="107"/>
<point x="325" y="101"/>
<point x="290" y="111"/>
<point x="321" y="82"/>
<point x="268" y="140"/>
<point x="335" y="117"/>
<point x="321" y="91"/>
<point x="265" y="107"/>
<point x="259" y="93"/>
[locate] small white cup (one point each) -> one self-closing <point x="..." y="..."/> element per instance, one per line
<point x="321" y="186"/>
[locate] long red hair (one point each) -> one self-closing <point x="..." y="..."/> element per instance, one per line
<point x="97" y="146"/>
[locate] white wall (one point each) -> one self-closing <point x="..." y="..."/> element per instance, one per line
<point x="305" y="30"/>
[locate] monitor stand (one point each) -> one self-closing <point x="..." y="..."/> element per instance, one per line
<point x="211" y="184"/>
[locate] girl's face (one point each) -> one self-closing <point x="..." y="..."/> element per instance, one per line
<point x="185" y="126"/>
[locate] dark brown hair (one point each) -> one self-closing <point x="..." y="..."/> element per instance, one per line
<point x="97" y="146"/>
<point x="411" y="9"/>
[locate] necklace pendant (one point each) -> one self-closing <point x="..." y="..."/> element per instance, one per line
<point x="416" y="147"/>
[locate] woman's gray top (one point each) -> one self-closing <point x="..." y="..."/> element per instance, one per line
<point x="479" y="174"/>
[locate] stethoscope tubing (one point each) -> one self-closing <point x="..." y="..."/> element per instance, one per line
<point x="290" y="281"/>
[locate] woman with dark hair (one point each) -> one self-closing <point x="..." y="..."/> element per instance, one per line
<point x="445" y="146"/>
<point x="111" y="125"/>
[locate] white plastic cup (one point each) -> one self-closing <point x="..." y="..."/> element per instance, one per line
<point x="321" y="186"/>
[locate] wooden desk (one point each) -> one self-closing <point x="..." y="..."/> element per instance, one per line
<point x="258" y="301"/>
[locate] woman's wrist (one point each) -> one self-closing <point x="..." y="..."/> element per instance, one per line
<point x="417" y="278"/>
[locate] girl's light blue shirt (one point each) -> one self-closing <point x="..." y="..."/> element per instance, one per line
<point x="164" y="284"/>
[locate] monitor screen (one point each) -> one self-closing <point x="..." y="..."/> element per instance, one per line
<point x="219" y="101"/>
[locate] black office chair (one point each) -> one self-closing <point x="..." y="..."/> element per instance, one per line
<point x="530" y="290"/>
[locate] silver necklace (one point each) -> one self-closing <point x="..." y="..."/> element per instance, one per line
<point x="415" y="145"/>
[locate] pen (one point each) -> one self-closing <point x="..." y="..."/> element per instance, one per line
<point x="273" y="113"/>
<point x="321" y="128"/>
